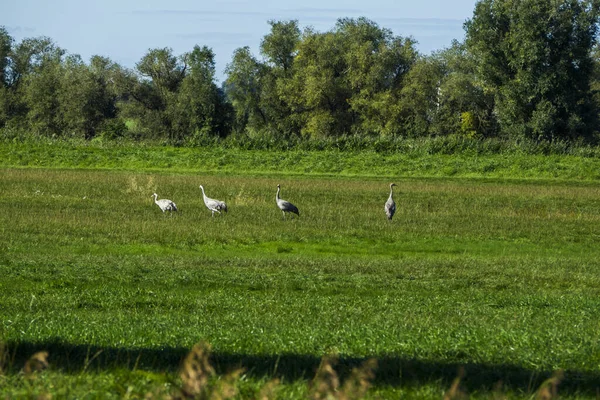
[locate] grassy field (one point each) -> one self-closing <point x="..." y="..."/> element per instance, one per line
<point x="418" y="161"/>
<point x="499" y="276"/>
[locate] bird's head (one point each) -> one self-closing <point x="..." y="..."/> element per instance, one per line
<point x="154" y="195"/>
<point x="201" y="187"/>
<point x="392" y="185"/>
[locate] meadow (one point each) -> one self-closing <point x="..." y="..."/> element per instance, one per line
<point x="499" y="276"/>
<point x="442" y="157"/>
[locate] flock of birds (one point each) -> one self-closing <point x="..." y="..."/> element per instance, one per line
<point x="218" y="206"/>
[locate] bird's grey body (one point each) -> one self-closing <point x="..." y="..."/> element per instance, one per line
<point x="285" y="206"/>
<point x="164" y="204"/>
<point x="390" y="205"/>
<point x="213" y="205"/>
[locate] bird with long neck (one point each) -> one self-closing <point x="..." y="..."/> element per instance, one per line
<point x="285" y="206"/>
<point x="212" y="204"/>
<point x="164" y="204"/>
<point x="390" y="205"/>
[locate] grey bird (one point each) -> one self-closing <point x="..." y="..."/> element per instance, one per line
<point x="164" y="204"/>
<point x="213" y="205"/>
<point x="285" y="206"/>
<point x="390" y="205"/>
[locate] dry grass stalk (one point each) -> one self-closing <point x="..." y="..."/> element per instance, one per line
<point x="196" y="371"/>
<point x="356" y="386"/>
<point x="37" y="362"/>
<point x="326" y="384"/>
<point x="269" y="391"/>
<point x="455" y="392"/>
<point x="133" y="187"/>
<point x="226" y="388"/>
<point x="196" y="375"/>
<point x="549" y="388"/>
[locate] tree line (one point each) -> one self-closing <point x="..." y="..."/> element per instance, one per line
<point x="526" y="69"/>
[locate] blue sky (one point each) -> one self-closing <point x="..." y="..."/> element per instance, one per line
<point x="125" y="30"/>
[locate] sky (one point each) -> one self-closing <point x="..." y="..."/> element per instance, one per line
<point x="124" y="30"/>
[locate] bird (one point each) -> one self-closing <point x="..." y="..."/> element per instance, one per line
<point x="285" y="206"/>
<point x="213" y="205"/>
<point x="164" y="204"/>
<point x="390" y="205"/>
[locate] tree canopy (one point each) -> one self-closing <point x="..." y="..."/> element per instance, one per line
<point x="526" y="69"/>
<point x="534" y="58"/>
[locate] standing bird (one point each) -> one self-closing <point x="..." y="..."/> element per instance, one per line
<point x="213" y="205"/>
<point x="164" y="204"/>
<point x="390" y="205"/>
<point x="285" y="206"/>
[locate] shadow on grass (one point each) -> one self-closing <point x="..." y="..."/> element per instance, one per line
<point x="393" y="371"/>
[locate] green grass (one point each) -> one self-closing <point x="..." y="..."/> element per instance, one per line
<point x="415" y="162"/>
<point x="499" y="276"/>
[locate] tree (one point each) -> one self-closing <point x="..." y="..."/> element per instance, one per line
<point x="257" y="89"/>
<point x="378" y="64"/>
<point x="419" y="100"/>
<point x="317" y="93"/>
<point x="463" y="104"/>
<point x="20" y="62"/>
<point x="28" y="56"/>
<point x="199" y="108"/>
<point x="244" y="90"/>
<point x="348" y="80"/>
<point x="280" y="45"/>
<point x="315" y="84"/>
<point x="37" y="67"/>
<point x="595" y="79"/>
<point x="161" y="75"/>
<point x="5" y="48"/>
<point x="164" y="69"/>
<point x="6" y="42"/>
<point x="85" y="99"/>
<point x="534" y="58"/>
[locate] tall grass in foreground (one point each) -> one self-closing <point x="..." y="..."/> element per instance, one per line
<point x="198" y="380"/>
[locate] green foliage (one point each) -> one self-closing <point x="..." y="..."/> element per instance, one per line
<point x="419" y="102"/>
<point x="178" y="101"/>
<point x="29" y="107"/>
<point x="528" y="70"/>
<point x="460" y="91"/>
<point x="467" y="124"/>
<point x="318" y="85"/>
<point x="53" y="95"/>
<point x="164" y="69"/>
<point x="199" y="107"/>
<point x="162" y="74"/>
<point x="113" y="129"/>
<point x="534" y="57"/>
<point x="379" y="66"/>
<point x="244" y="89"/>
<point x="6" y="42"/>
<point x="86" y="102"/>
<point x="349" y="79"/>
<point x="40" y="89"/>
<point x="280" y="45"/>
